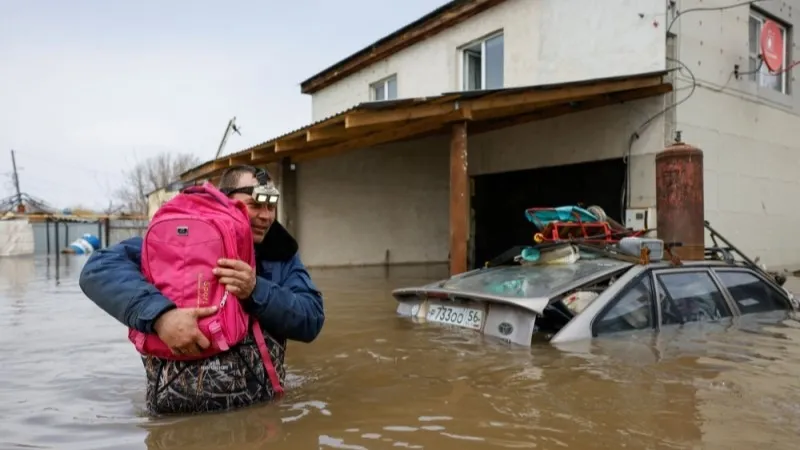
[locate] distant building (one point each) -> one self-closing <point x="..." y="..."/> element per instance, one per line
<point x="427" y="145"/>
<point x="162" y="195"/>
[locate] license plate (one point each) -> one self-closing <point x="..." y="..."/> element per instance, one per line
<point x="456" y="315"/>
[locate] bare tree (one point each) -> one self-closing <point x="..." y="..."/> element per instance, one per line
<point x="149" y="175"/>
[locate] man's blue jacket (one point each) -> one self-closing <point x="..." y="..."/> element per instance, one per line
<point x="285" y="300"/>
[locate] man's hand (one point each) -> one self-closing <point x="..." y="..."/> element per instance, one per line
<point x="178" y="329"/>
<point x="237" y="276"/>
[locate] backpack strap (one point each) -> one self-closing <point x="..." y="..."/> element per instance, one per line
<point x="269" y="366"/>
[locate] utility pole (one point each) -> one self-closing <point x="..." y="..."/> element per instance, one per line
<point x="16" y="180"/>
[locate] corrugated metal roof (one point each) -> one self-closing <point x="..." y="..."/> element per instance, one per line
<point x="364" y="106"/>
<point x="289" y="133"/>
<point x="449" y="96"/>
<point x="443" y="98"/>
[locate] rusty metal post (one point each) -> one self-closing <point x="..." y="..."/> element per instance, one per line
<point x="459" y="199"/>
<point x="680" y="207"/>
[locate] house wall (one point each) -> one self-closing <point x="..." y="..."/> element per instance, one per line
<point x="546" y="41"/>
<point x="355" y="207"/>
<point x="750" y="136"/>
<point x="158" y="198"/>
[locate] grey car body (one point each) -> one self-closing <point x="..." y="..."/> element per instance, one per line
<point x="523" y="304"/>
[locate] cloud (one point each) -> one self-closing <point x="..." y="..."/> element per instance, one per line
<point x="87" y="87"/>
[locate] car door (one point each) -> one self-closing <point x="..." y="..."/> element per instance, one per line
<point x="686" y="295"/>
<point x="750" y="293"/>
<point x="633" y="308"/>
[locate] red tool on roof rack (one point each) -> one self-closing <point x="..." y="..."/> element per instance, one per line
<point x="566" y="223"/>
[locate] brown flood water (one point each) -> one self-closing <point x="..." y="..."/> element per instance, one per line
<point x="70" y="380"/>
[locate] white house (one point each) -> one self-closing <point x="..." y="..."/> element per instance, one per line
<point x="549" y="102"/>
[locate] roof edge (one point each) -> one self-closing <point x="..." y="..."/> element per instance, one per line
<point x="438" y="20"/>
<point x="248" y="155"/>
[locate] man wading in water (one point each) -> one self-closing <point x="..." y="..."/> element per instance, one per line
<point x="280" y="295"/>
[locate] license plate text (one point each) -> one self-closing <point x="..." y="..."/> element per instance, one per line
<point x="456" y="315"/>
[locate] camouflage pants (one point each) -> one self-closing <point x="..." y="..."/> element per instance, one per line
<point x="229" y="380"/>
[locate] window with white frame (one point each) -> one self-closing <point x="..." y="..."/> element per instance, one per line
<point x="758" y="70"/>
<point x="482" y="64"/>
<point x="385" y="89"/>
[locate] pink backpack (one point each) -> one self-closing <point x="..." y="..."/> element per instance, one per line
<point x="183" y="242"/>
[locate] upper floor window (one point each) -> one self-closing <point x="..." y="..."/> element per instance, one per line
<point x="385" y="89"/>
<point x="758" y="70"/>
<point x="482" y="64"/>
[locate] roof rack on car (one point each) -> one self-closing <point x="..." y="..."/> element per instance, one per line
<point x="728" y="255"/>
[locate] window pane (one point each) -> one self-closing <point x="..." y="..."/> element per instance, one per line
<point x="751" y="293"/>
<point x="494" y="62"/>
<point x="633" y="311"/>
<point x="380" y="92"/>
<point x="472" y="70"/>
<point x="768" y="80"/>
<point x="754" y="28"/>
<point x="691" y="297"/>
<point x="753" y="69"/>
<point x="392" y="88"/>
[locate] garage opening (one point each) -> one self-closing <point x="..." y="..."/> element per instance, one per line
<point x="499" y="200"/>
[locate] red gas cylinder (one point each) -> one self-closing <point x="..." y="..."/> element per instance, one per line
<point x="680" y="210"/>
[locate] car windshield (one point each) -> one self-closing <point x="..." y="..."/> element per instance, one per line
<point x="529" y="281"/>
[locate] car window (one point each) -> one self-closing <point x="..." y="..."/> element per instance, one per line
<point x="751" y="293"/>
<point x="690" y="297"/>
<point x="633" y="310"/>
<point x="530" y="281"/>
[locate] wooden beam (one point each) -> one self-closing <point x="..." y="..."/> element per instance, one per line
<point x="235" y="160"/>
<point x="559" y="94"/>
<point x="262" y="151"/>
<point x="567" y="108"/>
<point x="603" y="99"/>
<point x="459" y="199"/>
<point x="298" y="134"/>
<point x="528" y="108"/>
<point x="375" y="127"/>
<point x="286" y="145"/>
<point x="423" y="29"/>
<point x="221" y="165"/>
<point x="367" y="117"/>
<point x="315" y="134"/>
<point x="333" y="135"/>
<point x="377" y="138"/>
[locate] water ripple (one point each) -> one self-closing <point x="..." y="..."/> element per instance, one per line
<point x="71" y="380"/>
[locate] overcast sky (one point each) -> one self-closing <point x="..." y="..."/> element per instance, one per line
<point x="87" y="87"/>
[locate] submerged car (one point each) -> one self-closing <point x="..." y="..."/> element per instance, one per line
<point x="572" y="291"/>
